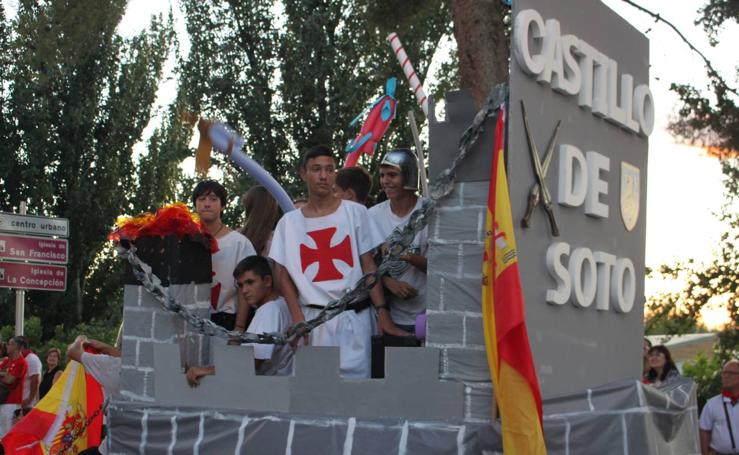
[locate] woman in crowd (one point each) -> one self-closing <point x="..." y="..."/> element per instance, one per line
<point x="54" y="369"/>
<point x="262" y="213"/>
<point x="662" y="369"/>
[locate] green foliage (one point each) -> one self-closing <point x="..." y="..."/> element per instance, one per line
<point x="95" y="329"/>
<point x="75" y="99"/>
<point x="707" y="373"/>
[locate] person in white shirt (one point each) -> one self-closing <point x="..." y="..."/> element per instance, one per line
<point x="719" y="422"/>
<point x="254" y="280"/>
<point x="33" y="377"/>
<point x="320" y="252"/>
<point x="228" y="309"/>
<point x="105" y="368"/>
<point x="406" y="281"/>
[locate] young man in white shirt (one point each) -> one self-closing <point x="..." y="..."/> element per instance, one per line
<point x="719" y="422"/>
<point x="228" y="309"/>
<point x="254" y="282"/>
<point x="406" y="282"/>
<point x="320" y="252"/>
<point x="33" y="377"/>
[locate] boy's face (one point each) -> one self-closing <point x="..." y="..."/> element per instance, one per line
<point x="208" y="206"/>
<point x="391" y="181"/>
<point x="319" y="175"/>
<point x="253" y="287"/>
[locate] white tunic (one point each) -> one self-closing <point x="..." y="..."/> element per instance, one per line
<point x="322" y="256"/>
<point x="232" y="248"/>
<point x="272" y="316"/>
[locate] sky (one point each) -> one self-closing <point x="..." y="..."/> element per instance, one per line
<point x="684" y="190"/>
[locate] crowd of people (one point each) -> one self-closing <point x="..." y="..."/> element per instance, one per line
<point x="279" y="270"/>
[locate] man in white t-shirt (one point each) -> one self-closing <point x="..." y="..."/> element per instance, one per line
<point x="33" y="377"/>
<point x="719" y="422"/>
<point x="228" y="309"/>
<point x="406" y="281"/>
<point x="254" y="280"/>
<point x="320" y="252"/>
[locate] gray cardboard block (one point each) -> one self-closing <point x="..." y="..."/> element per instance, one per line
<point x="133" y="381"/>
<point x="445" y="259"/>
<point x="309" y="438"/>
<point x="441" y="440"/>
<point x="376" y="439"/>
<point x="137" y="323"/>
<point x="461" y="224"/>
<point x="444" y="140"/>
<point x="234" y="386"/>
<point x="467" y="365"/>
<point x="315" y="387"/>
<point x="474" y="334"/>
<point x="479" y="401"/>
<point x="444" y="328"/>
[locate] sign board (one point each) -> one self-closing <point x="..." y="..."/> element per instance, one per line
<point x="36" y="249"/>
<point x="31" y="224"/>
<point x="42" y="277"/>
<point x="579" y="63"/>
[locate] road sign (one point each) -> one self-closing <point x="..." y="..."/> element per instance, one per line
<point x="31" y="224"/>
<point x="36" y="249"/>
<point x="42" y="277"/>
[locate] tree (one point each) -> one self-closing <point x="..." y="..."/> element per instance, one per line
<point x="76" y="98"/>
<point x="296" y="80"/>
<point x="713" y="123"/>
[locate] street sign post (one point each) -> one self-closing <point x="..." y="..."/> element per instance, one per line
<point x="31" y="248"/>
<point x="32" y="224"/>
<point x="41" y="277"/>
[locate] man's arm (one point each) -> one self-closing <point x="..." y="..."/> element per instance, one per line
<point x="194" y="374"/>
<point x="34" y="383"/>
<point x="242" y="313"/>
<point x="384" y="322"/>
<point x="399" y="288"/>
<point x="290" y="293"/>
<point x="705" y="437"/>
<point x="416" y="260"/>
<point x="75" y="350"/>
<point x="102" y="347"/>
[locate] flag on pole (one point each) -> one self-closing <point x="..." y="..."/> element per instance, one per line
<point x="59" y="419"/>
<point x="509" y="354"/>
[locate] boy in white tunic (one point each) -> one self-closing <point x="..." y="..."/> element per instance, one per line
<point x="254" y="280"/>
<point x="406" y="282"/>
<point x="320" y="252"/>
<point x="228" y="309"/>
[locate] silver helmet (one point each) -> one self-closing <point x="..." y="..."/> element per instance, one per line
<point x="405" y="161"/>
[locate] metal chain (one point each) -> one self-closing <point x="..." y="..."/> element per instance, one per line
<point x="399" y="242"/>
<point x="74" y="436"/>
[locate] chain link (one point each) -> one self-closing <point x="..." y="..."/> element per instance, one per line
<point x="399" y="243"/>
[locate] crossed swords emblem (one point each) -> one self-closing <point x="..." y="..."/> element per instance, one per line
<point x="539" y="193"/>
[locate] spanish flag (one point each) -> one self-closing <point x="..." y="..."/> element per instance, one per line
<point x="56" y="425"/>
<point x="509" y="354"/>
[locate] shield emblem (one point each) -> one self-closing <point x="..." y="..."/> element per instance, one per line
<point x="629" y="195"/>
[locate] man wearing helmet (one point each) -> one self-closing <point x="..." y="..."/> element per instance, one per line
<point x="406" y="280"/>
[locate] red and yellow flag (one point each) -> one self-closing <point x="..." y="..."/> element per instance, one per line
<point x="60" y="418"/>
<point x="509" y="354"/>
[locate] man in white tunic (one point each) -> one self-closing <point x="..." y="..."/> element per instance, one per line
<point x="321" y="251"/>
<point x="406" y="281"/>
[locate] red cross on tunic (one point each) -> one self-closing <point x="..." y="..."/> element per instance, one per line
<point x="325" y="254"/>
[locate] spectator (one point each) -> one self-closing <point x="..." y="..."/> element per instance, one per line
<point x="33" y="377"/>
<point x="719" y="422"/>
<point x="262" y="213"/>
<point x="662" y="369"/>
<point x="645" y="356"/>
<point x="254" y="280"/>
<point x="353" y="184"/>
<point x="13" y="370"/>
<point x="54" y="370"/>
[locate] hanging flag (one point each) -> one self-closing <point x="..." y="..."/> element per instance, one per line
<point x="509" y="354"/>
<point x="62" y="418"/>
<point x="381" y="113"/>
